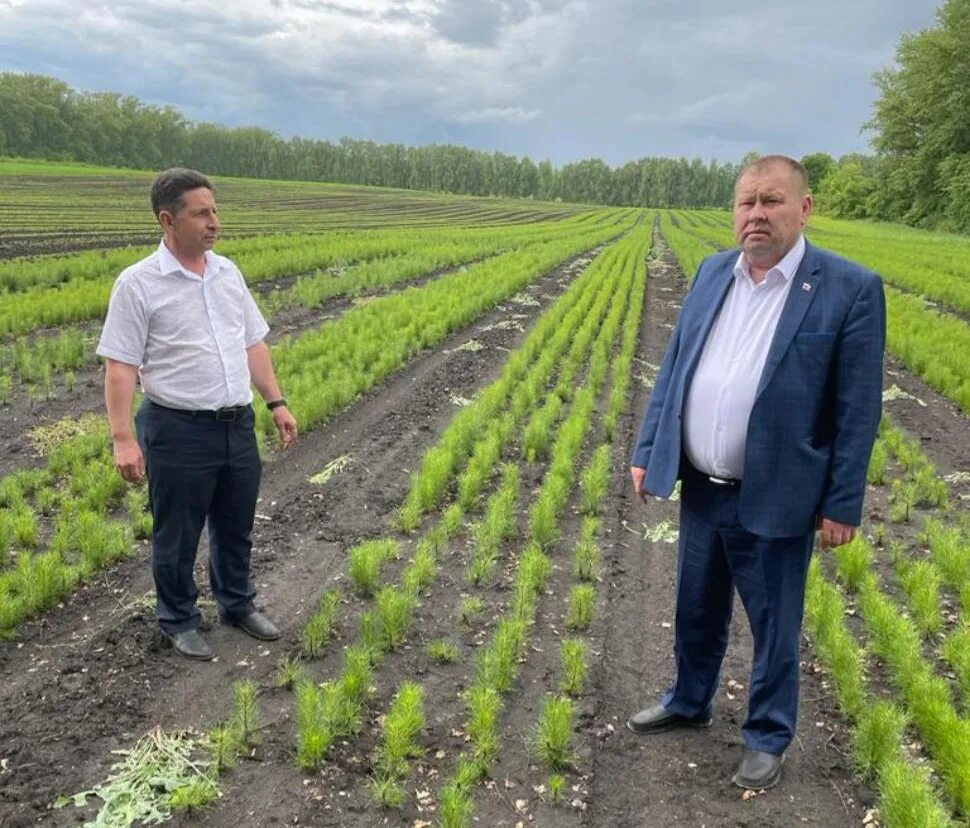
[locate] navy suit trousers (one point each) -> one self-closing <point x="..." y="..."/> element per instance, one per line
<point x="716" y="555"/>
<point x="200" y="469"/>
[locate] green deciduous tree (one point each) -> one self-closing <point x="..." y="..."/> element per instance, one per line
<point x="42" y="117"/>
<point x="921" y="122"/>
<point x="818" y="165"/>
<point x="848" y="189"/>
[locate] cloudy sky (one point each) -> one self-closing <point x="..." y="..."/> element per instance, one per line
<point x="558" y="79"/>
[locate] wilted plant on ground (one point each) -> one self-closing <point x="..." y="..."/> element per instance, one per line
<point x="161" y="773"/>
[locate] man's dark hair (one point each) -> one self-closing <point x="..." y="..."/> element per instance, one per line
<point x="766" y="161"/>
<point x="170" y="186"/>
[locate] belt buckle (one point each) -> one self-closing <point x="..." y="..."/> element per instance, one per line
<point x="720" y="481"/>
<point x="226" y="415"/>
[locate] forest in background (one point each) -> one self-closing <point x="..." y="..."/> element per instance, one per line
<point x="43" y="117"/>
<point x="919" y="172"/>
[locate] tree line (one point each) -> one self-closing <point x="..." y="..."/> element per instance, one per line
<point x="43" y="117"/>
<point x="918" y="174"/>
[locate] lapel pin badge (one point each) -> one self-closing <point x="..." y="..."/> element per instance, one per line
<point x="806" y="286"/>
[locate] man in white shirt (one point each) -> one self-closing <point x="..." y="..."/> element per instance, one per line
<point x="766" y="407"/>
<point x="183" y="322"/>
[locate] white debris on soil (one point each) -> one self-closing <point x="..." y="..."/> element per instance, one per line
<point x="525" y="300"/>
<point x="663" y="532"/>
<point x="472" y="345"/>
<point x="505" y="325"/>
<point x="333" y="467"/>
<point x="894" y="392"/>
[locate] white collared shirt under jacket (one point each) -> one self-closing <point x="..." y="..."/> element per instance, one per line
<point x="722" y="391"/>
<point x="187" y="333"/>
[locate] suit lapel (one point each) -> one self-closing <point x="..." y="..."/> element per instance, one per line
<point x="803" y="290"/>
<point x="718" y="290"/>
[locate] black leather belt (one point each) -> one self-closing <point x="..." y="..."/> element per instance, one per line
<point x="222" y="415"/>
<point x="728" y="482"/>
<point x="723" y="481"/>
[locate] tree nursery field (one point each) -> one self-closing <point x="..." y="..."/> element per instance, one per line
<point x="473" y="599"/>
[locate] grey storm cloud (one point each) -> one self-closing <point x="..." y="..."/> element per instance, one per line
<point x="563" y="79"/>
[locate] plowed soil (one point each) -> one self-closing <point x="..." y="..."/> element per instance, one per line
<point x="94" y="675"/>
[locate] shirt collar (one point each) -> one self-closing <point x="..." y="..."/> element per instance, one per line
<point x="786" y="268"/>
<point x="169" y="264"/>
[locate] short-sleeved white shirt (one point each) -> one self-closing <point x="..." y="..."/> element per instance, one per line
<point x="188" y="334"/>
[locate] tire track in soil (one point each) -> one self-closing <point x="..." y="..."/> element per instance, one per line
<point x="683" y="777"/>
<point x="94" y="675"/>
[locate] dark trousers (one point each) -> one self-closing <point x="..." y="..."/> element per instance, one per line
<point x="200" y="469"/>
<point x="716" y="555"/>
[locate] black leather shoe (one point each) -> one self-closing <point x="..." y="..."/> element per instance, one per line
<point x="758" y="770"/>
<point x="657" y="719"/>
<point x="191" y="644"/>
<point x="257" y="625"/>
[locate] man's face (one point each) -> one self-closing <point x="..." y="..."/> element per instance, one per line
<point x="195" y="226"/>
<point x="769" y="214"/>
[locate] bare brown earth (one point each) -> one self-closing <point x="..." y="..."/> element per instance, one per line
<point x="94" y="675"/>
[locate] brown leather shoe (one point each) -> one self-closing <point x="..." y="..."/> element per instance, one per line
<point x="758" y="770"/>
<point x="657" y="719"/>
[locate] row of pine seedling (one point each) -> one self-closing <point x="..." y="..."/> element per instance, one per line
<point x="337" y="265"/>
<point x="335" y="710"/>
<point x="323" y="370"/>
<point x="498" y="663"/>
<point x="912" y="742"/>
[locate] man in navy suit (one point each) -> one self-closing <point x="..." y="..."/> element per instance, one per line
<point x="766" y="408"/>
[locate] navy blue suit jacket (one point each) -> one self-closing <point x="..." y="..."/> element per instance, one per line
<point x="818" y="404"/>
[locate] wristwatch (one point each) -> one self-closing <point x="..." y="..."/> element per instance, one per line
<point x="280" y="403"/>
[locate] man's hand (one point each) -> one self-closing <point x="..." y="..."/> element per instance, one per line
<point x="129" y="460"/>
<point x="285" y="425"/>
<point x="638" y="476"/>
<point x="832" y="533"/>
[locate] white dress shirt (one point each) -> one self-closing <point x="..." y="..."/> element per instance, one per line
<point x="723" y="388"/>
<point x="187" y="333"/>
